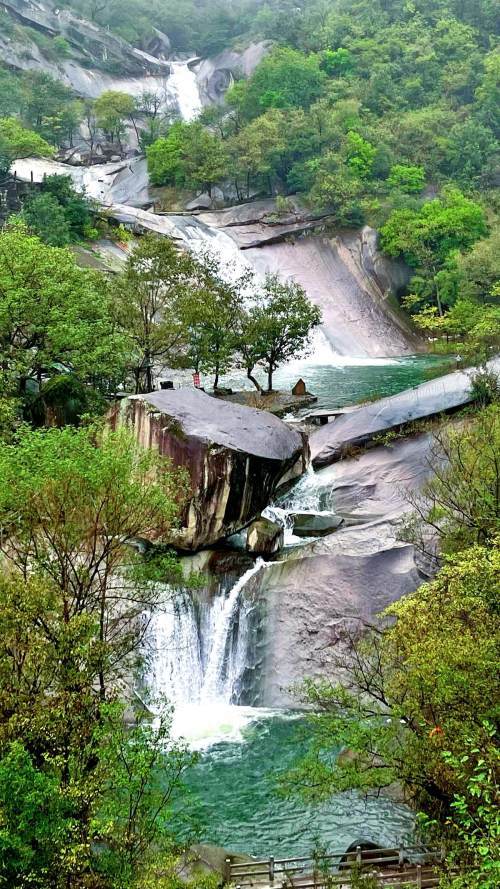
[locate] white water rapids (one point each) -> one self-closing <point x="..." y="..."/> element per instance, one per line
<point x="197" y="653"/>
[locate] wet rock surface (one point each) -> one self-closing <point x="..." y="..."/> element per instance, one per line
<point x="264" y="537"/>
<point x="446" y="393"/>
<point x="315" y="598"/>
<point x="314" y="524"/>
<point x="216" y="74"/>
<point x="235" y="456"/>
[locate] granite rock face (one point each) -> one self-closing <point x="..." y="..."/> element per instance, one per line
<point x="235" y="456"/>
<point x="216" y="75"/>
<point x="316" y="595"/>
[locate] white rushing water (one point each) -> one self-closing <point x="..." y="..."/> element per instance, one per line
<point x="198" y="652"/>
<point x="183" y="87"/>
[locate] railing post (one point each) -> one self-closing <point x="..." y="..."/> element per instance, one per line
<point x="271" y="869"/>
<point x="358" y="854"/>
<point x="401" y="858"/>
<point x="419" y="876"/>
<point x="227" y="870"/>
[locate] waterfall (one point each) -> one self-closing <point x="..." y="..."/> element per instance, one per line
<point x="198" y="651"/>
<point x="183" y="87"/>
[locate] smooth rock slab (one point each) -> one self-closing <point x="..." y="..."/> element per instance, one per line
<point x="236" y="456"/>
<point x="359" y="427"/>
<point x="311" y="602"/>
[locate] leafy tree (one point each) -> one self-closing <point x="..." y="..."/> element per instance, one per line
<point x="410" y="694"/>
<point x="76" y="206"/>
<point x="112" y="109"/>
<point x="461" y="501"/>
<point x="281" y="322"/>
<point x="426" y="237"/>
<point x="17" y="143"/>
<point x="45" y="100"/>
<point x="52" y="312"/>
<point x="284" y="79"/>
<point x="406" y="178"/>
<point x="69" y="632"/>
<point x="210" y="313"/>
<point x="359" y="154"/>
<point x="147" y="303"/>
<point x="46" y="218"/>
<point x="189" y="155"/>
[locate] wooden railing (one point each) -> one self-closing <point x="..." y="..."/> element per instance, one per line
<point x="397" y="867"/>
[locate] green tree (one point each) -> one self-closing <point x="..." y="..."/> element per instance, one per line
<point x="17" y="143"/>
<point x="284" y="79"/>
<point x="71" y="630"/>
<point x="45" y="218"/>
<point x="281" y="322"/>
<point x="112" y="109"/>
<point x="406" y="178"/>
<point x="53" y="312"/>
<point x="412" y="694"/>
<point x="426" y="237"/>
<point x="210" y="313"/>
<point x="148" y="297"/>
<point x="461" y="501"/>
<point x="45" y="101"/>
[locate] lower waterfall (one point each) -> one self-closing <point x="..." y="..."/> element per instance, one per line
<point x="197" y="654"/>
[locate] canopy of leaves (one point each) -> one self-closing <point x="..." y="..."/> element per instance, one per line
<point x="53" y="312"/>
<point x="16" y="143"/>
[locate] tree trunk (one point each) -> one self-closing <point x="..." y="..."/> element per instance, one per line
<point x="438" y="299"/>
<point x="269" y="379"/>
<point x="216" y="380"/>
<point x="253" y="380"/>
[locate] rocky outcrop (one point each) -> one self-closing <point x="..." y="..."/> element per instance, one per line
<point x="314" y="602"/>
<point x="321" y="593"/>
<point x="235" y="456"/>
<point x="446" y="393"/>
<point x="215" y="75"/>
<point x="342" y="271"/>
<point x="90" y="47"/>
<point x="264" y="537"/>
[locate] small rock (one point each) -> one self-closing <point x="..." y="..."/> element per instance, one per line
<point x="311" y="524"/>
<point x="299" y="388"/>
<point x="265" y="537"/>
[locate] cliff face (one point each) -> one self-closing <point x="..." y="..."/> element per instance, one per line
<point x="235" y="456"/>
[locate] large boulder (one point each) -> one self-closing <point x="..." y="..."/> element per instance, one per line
<point x="315" y="524"/>
<point x="236" y="456"/>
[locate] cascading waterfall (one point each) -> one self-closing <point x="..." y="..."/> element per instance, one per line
<point x="198" y="653"/>
<point x="183" y="86"/>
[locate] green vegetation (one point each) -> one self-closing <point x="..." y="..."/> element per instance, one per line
<point x="419" y="701"/>
<point x="84" y="800"/>
<point x="380" y="112"/>
<point x="58" y="214"/>
<point x="16" y="143"/>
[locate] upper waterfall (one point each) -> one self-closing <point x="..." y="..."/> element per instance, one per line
<point x="183" y="86"/>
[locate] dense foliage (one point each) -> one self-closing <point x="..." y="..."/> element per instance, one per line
<point x="376" y="112"/>
<point x="84" y="801"/>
